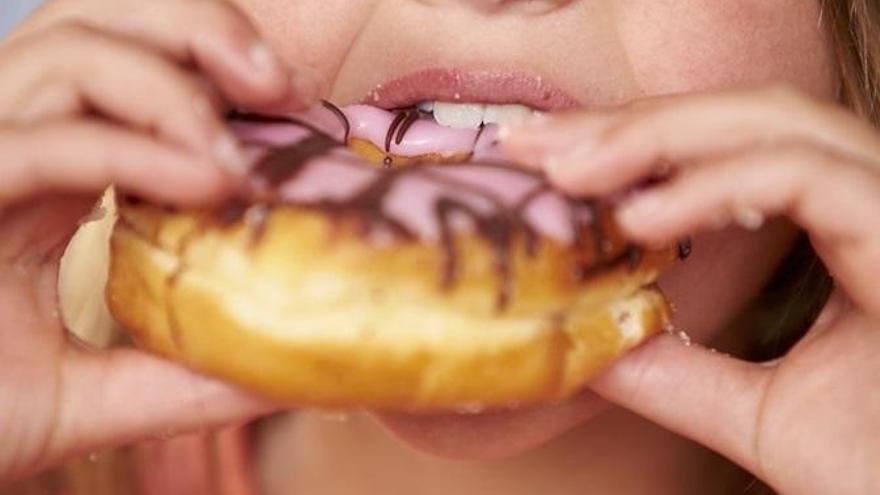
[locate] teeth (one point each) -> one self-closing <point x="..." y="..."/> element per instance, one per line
<point x="505" y="114"/>
<point x="463" y="116"/>
<point x="472" y="115"/>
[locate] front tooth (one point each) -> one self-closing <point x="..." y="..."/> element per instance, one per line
<point x="506" y="114"/>
<point x="463" y="116"/>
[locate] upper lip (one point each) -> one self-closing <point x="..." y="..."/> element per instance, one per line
<point x="470" y="86"/>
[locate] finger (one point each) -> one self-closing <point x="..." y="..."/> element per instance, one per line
<point x="86" y="157"/>
<point x="619" y="150"/>
<point x="127" y="395"/>
<point x="76" y="68"/>
<point x="833" y="197"/>
<point x="532" y="140"/>
<point x="226" y="45"/>
<point x="217" y="37"/>
<point x="706" y="396"/>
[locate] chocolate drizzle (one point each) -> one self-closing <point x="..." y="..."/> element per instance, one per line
<point x="480" y="131"/>
<point x="286" y="162"/>
<point x="389" y="136"/>
<point x="500" y="225"/>
<point x="684" y="249"/>
<point x="346" y="125"/>
<point x="411" y="118"/>
<point x="531" y="237"/>
<point x="403" y="120"/>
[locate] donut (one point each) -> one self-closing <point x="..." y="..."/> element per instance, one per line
<point x="385" y="138"/>
<point x="436" y="281"/>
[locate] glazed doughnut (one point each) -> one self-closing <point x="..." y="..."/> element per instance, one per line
<point x="330" y="282"/>
<point x="387" y="138"/>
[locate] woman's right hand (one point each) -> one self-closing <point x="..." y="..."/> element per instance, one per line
<point x="131" y="93"/>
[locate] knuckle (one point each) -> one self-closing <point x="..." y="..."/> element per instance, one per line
<point x="800" y="156"/>
<point x="71" y="31"/>
<point x="792" y="151"/>
<point x="626" y="126"/>
<point x="191" y="89"/>
<point x="646" y="127"/>
<point x="778" y="91"/>
<point x="793" y="167"/>
<point x="257" y="99"/>
<point x="785" y="95"/>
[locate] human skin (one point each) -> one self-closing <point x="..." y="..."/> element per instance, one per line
<point x="627" y="51"/>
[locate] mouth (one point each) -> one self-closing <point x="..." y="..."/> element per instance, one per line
<point x="441" y="115"/>
<point x="431" y="115"/>
<point x="475" y="87"/>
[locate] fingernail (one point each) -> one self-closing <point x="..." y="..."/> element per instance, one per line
<point x="229" y="154"/>
<point x="749" y="218"/>
<point x="641" y="208"/>
<point x="559" y="165"/>
<point x="263" y="58"/>
<point x="523" y="125"/>
<point x="503" y="133"/>
<point x="535" y="121"/>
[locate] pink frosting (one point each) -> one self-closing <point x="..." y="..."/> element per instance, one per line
<point x="269" y="134"/>
<point x="338" y="175"/>
<point x="548" y="211"/>
<point x="424" y="137"/>
<point x="488" y="190"/>
<point x="328" y="178"/>
<point x="369" y="123"/>
<point x="486" y="147"/>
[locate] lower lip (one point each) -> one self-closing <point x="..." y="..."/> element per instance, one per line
<point x="483" y="86"/>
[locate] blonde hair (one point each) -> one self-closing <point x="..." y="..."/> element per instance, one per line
<point x="855" y="30"/>
<point x="854" y="26"/>
<point x="786" y="307"/>
<point x="800" y="288"/>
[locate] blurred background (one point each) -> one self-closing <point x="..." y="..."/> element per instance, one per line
<point x="12" y="11"/>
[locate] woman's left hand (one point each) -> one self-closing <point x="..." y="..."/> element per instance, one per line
<point x="810" y="421"/>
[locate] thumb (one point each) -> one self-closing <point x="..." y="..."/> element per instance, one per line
<point x="113" y="398"/>
<point x="709" y="397"/>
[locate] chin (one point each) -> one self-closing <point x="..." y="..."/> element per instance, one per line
<point x="491" y="435"/>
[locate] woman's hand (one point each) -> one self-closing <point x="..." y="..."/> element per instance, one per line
<point x="133" y="97"/>
<point x="810" y="421"/>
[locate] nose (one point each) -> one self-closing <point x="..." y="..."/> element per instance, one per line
<point x="532" y="6"/>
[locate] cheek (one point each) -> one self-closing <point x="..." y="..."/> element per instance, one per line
<point x="688" y="45"/>
<point x="725" y="270"/>
<point x="315" y="33"/>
